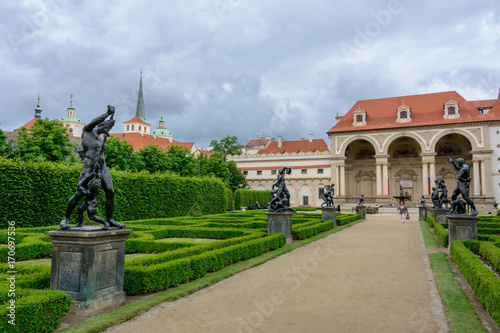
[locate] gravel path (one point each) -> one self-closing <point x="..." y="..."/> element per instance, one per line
<point x="372" y="277"/>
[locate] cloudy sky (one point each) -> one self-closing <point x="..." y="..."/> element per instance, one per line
<point x="240" y="67"/>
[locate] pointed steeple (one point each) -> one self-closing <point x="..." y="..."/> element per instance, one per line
<point x="140" y="112"/>
<point x="38" y="109"/>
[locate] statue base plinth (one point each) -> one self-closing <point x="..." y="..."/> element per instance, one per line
<point x="329" y="214"/>
<point x="88" y="265"/>
<point x="462" y="227"/>
<point x="440" y="214"/>
<point x="280" y="223"/>
<point x="362" y="211"/>
<point x="422" y="213"/>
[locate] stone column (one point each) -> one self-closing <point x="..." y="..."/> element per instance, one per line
<point x="425" y="176"/>
<point x="343" y="191"/>
<point x="483" y="178"/>
<point x="378" y="168"/>
<point x="476" y="178"/>
<point x="432" y="172"/>
<point x="385" y="182"/>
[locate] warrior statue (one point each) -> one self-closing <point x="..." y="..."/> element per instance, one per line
<point x="463" y="181"/>
<point x="281" y="196"/>
<point x="94" y="174"/>
<point x="328" y="196"/>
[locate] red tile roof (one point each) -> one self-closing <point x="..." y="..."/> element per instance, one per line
<point x="28" y="124"/>
<point x="483" y="104"/>
<point x="298" y="146"/>
<point x="139" y="141"/>
<point x="136" y="120"/>
<point x="426" y="109"/>
<point x="257" y="142"/>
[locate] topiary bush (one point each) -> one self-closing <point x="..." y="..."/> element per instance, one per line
<point x="244" y="198"/>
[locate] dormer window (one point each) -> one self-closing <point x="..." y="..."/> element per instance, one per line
<point x="359" y="117"/>
<point x="451" y="110"/>
<point x="403" y="113"/>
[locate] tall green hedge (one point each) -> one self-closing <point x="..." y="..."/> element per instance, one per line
<point x="35" y="194"/>
<point x="244" y="198"/>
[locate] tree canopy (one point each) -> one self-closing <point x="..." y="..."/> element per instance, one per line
<point x="227" y="146"/>
<point x="46" y="140"/>
<point x="5" y="148"/>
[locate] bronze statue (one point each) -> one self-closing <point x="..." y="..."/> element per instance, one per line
<point x="463" y="181"/>
<point x="94" y="174"/>
<point x="422" y="201"/>
<point x="435" y="199"/>
<point x="281" y="196"/>
<point x="361" y="200"/>
<point x="328" y="196"/>
<point x="443" y="197"/>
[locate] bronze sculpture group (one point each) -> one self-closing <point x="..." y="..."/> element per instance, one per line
<point x="440" y="192"/>
<point x="280" y="202"/>
<point x="94" y="175"/>
<point x="328" y="196"/>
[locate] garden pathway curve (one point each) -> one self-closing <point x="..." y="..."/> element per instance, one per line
<point x="372" y="277"/>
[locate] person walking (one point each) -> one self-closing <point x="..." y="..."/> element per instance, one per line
<point x="403" y="211"/>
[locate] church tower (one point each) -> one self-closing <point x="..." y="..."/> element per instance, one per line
<point x="161" y="131"/>
<point x="138" y="124"/>
<point x="75" y="126"/>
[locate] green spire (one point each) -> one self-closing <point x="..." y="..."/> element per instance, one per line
<point x="38" y="109"/>
<point x="140" y="112"/>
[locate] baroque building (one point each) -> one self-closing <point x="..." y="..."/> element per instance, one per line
<point x="381" y="144"/>
<point x="309" y="160"/>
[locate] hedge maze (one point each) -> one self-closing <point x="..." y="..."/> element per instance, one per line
<point x="478" y="261"/>
<point x="168" y="252"/>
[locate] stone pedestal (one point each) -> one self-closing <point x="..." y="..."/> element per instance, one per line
<point x="422" y="213"/>
<point x="362" y="212"/>
<point x="440" y="214"/>
<point x="329" y="214"/>
<point x="462" y="227"/>
<point x="280" y="223"/>
<point x="88" y="264"/>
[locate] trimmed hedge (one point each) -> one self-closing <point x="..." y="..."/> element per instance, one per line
<point x="229" y="198"/>
<point x="430" y="220"/>
<point x="245" y="198"/>
<point x="35" y="310"/>
<point x="441" y="234"/>
<point x="32" y="246"/>
<point x="151" y="278"/>
<point x="484" y="282"/>
<point x="36" y="194"/>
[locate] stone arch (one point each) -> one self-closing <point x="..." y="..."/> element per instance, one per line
<point x="404" y="159"/>
<point x="346" y="143"/>
<point x="293" y="196"/>
<point x="365" y="183"/>
<point x="305" y="195"/>
<point x="393" y="138"/>
<point x="260" y="187"/>
<point x="472" y="140"/>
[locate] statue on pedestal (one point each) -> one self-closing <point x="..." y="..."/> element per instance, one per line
<point x="422" y="201"/>
<point x="463" y="182"/>
<point x="280" y="202"/>
<point x="94" y="174"/>
<point x="435" y="199"/>
<point x="328" y="196"/>
<point x="361" y="200"/>
<point x="443" y="197"/>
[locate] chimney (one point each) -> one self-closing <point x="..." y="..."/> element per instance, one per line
<point x="337" y="118"/>
<point x="280" y="142"/>
<point x="311" y="137"/>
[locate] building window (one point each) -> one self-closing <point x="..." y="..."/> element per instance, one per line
<point x="321" y="192"/>
<point x="259" y="172"/>
<point x="139" y="128"/>
<point x="303" y="171"/>
<point x="273" y="172"/>
<point x="320" y="170"/>
<point x="245" y="173"/>
<point x="128" y="127"/>
<point x="498" y="132"/>
<point x="403" y="113"/>
<point x="451" y="109"/>
<point x="132" y="127"/>
<point x="359" y="117"/>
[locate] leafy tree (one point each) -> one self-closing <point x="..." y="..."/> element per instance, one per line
<point x="214" y="166"/>
<point x="121" y="155"/>
<point x="181" y="161"/>
<point x="236" y="177"/>
<point x="5" y="148"/>
<point x="227" y="146"/>
<point x="153" y="158"/>
<point x="47" y="140"/>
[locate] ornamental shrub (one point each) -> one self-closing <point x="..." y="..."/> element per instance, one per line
<point x="36" y="194"/>
<point x="441" y="234"/>
<point x="244" y="197"/>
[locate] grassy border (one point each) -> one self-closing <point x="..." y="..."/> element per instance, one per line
<point x="429" y="239"/>
<point x="459" y="313"/>
<point x="128" y="311"/>
<point x="461" y="316"/>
